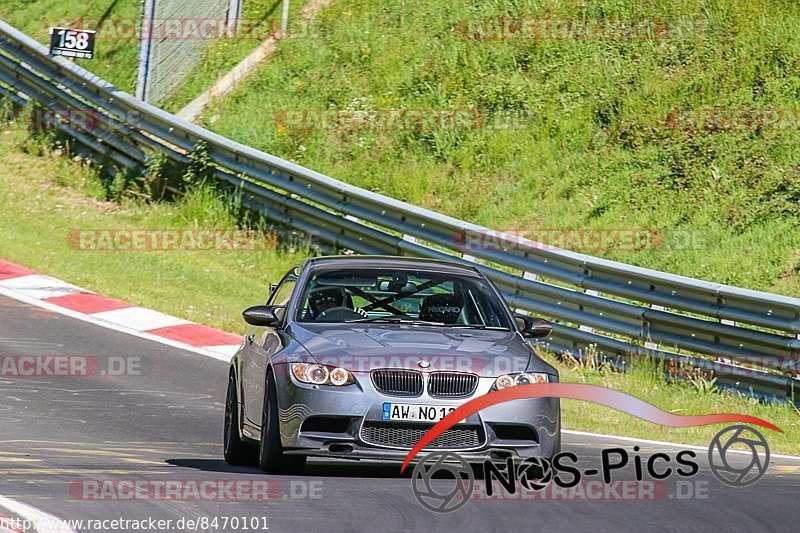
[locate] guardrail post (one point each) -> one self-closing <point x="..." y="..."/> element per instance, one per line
<point x="533" y="277"/>
<point x="727" y="323"/>
<point x="590" y="292"/>
<point x="654" y="345"/>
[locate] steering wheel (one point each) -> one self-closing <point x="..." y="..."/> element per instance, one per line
<point x="335" y="314"/>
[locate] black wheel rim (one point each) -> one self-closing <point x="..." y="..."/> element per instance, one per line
<point x="265" y="421"/>
<point x="265" y="424"/>
<point x="229" y="418"/>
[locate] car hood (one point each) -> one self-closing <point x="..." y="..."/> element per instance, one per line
<point x="363" y="347"/>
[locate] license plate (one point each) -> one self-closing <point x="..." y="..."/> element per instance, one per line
<point x="414" y="412"/>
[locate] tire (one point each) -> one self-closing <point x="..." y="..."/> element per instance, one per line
<point x="271" y="458"/>
<point x="235" y="450"/>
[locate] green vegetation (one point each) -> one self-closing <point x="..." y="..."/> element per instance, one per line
<point x="115" y="59"/>
<point x="223" y="55"/>
<point x="116" y="50"/>
<point x="606" y="142"/>
<point x="646" y="380"/>
<point x="54" y="194"/>
<point x="45" y="196"/>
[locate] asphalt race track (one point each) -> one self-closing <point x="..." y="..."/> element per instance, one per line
<point x="160" y="418"/>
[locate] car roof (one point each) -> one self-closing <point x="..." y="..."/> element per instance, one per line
<point x="390" y="261"/>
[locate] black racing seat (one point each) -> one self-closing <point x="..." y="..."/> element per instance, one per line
<point x="445" y="308"/>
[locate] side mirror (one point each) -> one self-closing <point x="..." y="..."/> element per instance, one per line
<point x="263" y="315"/>
<point x="533" y="328"/>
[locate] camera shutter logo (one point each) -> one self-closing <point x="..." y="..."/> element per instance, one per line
<point x="535" y="473"/>
<point x="454" y="489"/>
<point x="734" y="469"/>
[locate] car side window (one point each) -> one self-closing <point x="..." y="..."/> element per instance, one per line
<point x="283" y="292"/>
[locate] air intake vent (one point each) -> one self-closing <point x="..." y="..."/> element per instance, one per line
<point x="405" y="435"/>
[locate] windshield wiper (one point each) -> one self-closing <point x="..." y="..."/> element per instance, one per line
<point x="402" y="320"/>
<point x="394" y="320"/>
<point x="480" y="326"/>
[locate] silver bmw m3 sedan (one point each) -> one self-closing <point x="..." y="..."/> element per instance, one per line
<point x="357" y="357"/>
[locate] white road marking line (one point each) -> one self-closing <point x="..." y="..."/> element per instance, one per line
<point x="16" y="295"/>
<point x="664" y="443"/>
<point x="225" y="351"/>
<point x="44" y="522"/>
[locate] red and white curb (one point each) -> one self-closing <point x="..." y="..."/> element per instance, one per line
<point x="25" y="285"/>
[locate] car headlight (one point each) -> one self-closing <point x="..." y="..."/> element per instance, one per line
<point x="322" y="374"/>
<point x="525" y="378"/>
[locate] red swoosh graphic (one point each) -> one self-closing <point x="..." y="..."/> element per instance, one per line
<point x="578" y="391"/>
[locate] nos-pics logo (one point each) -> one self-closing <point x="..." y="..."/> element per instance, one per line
<point x="444" y="481"/>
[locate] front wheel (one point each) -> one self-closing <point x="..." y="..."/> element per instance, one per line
<point x="235" y="450"/>
<point x="271" y="458"/>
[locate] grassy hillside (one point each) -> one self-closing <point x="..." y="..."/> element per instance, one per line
<point x="46" y="197"/>
<point x="60" y="195"/>
<point x="600" y="141"/>
<point x="605" y="136"/>
<point x="116" y="58"/>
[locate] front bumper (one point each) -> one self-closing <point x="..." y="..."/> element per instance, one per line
<point x="347" y="422"/>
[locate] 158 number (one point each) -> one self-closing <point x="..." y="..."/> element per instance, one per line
<point x="73" y="39"/>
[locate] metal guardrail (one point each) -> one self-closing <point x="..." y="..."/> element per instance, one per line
<point x="625" y="311"/>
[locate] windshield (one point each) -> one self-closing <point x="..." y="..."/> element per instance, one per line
<point x="403" y="296"/>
